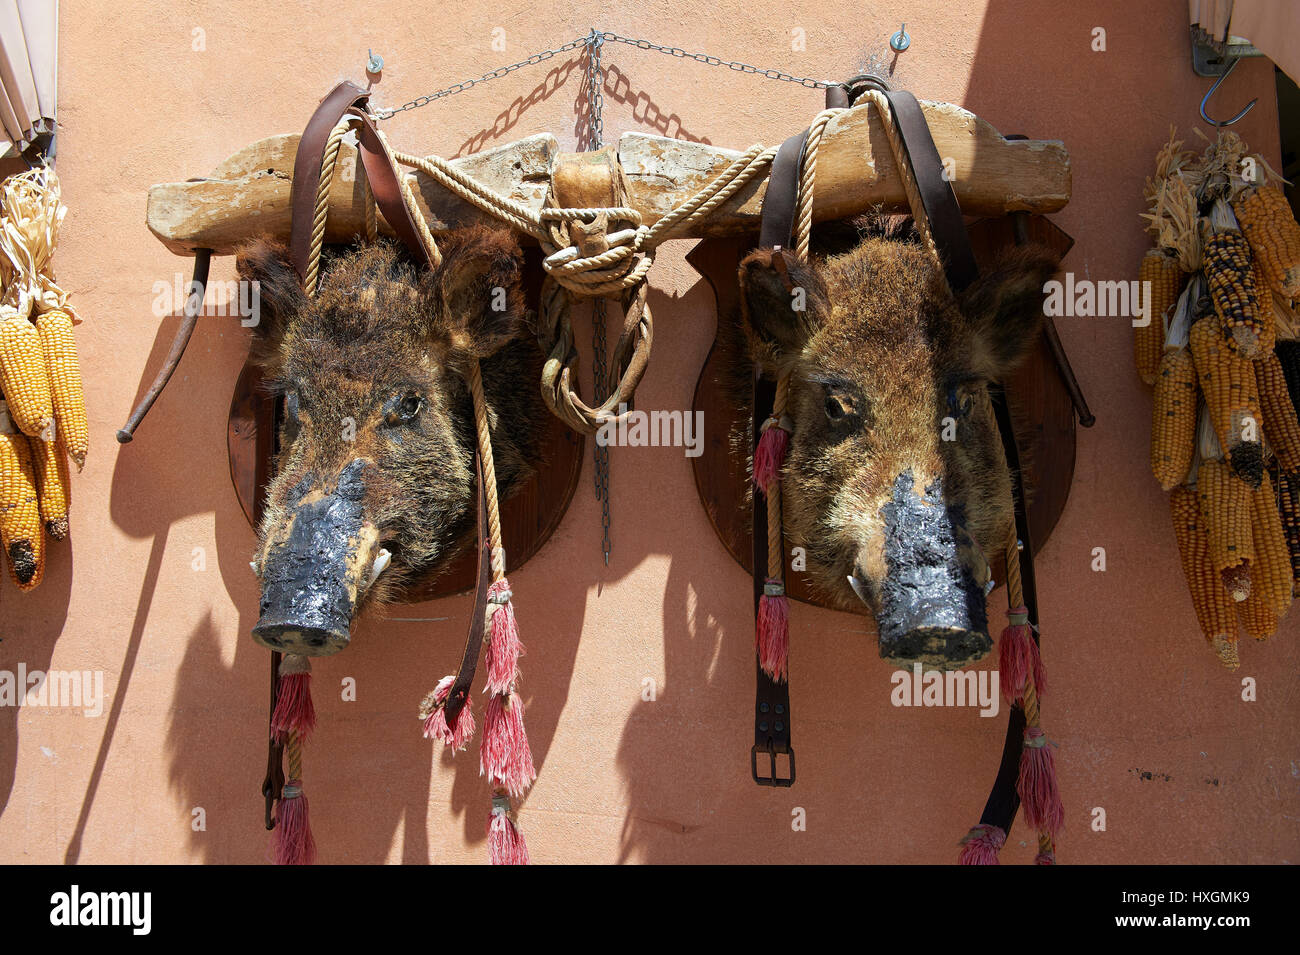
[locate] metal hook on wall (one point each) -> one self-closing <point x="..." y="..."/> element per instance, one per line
<point x="1219" y="124"/>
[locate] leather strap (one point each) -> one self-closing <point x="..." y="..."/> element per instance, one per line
<point x="273" y="784"/>
<point x="771" y="699"/>
<point x="381" y="173"/>
<point x="782" y="194"/>
<point x="1003" y="802"/>
<point x="937" y="197"/>
<point x="458" y="696"/>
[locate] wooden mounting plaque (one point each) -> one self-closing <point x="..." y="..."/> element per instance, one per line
<point x="1036" y="393"/>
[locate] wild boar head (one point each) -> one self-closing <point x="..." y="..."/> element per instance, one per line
<point x="375" y="474"/>
<point x="895" y="483"/>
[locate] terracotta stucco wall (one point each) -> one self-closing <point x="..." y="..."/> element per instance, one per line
<point x="1150" y="727"/>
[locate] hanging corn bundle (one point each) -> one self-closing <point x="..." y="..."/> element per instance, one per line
<point x="1227" y="385"/>
<point x="43" y="414"/>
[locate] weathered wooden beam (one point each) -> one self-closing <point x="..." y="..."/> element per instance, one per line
<point x="248" y="194"/>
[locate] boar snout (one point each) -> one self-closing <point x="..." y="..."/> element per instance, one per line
<point x="314" y="569"/>
<point x="929" y="605"/>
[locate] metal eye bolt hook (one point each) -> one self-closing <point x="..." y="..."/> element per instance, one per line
<point x="1220" y="124"/>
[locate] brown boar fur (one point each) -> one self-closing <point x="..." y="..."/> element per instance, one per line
<point x="377" y="332"/>
<point x="884" y="345"/>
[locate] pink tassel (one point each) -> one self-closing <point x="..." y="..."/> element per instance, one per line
<point x="1018" y="657"/>
<point x="293" y="707"/>
<point x="773" y="631"/>
<point x="505" y="842"/>
<point x="503" y="647"/>
<point x="769" y="456"/>
<point x="1037" y="784"/>
<point x="504" y="756"/>
<point x="293" y="842"/>
<point x="435" y="724"/>
<point x="980" y="846"/>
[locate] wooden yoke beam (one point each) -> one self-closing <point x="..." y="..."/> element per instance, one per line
<point x="248" y="194"/>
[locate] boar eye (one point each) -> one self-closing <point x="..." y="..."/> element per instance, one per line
<point x="402" y="408"/>
<point x="838" y="407"/>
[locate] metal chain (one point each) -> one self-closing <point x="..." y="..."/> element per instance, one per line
<point x="486" y="77"/>
<point x="591" y="40"/>
<point x="599" y="345"/>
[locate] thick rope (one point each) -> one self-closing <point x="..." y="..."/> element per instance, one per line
<point x="885" y="114"/>
<point x="328" y="160"/>
<point x="483" y="434"/>
<point x="293" y="753"/>
<point x="775" y="550"/>
<point x="808" y="181"/>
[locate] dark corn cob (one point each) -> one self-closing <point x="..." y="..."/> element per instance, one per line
<point x="1232" y="287"/>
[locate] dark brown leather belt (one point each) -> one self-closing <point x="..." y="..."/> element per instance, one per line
<point x="381" y="172"/>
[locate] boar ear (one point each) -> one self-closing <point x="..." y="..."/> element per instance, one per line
<point x="279" y="293"/>
<point x="1005" y="309"/>
<point x="476" y="292"/>
<point x="782" y="302"/>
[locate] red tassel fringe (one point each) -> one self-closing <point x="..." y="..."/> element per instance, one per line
<point x="503" y="647"/>
<point x="773" y="635"/>
<point x="435" y="725"/>
<point x="504" y="756"/>
<point x="506" y="844"/>
<point x="293" y="708"/>
<point x="769" y="456"/>
<point x="1039" y="795"/>
<point x="293" y="843"/>
<point x="1018" y="657"/>
<point x="981" y="846"/>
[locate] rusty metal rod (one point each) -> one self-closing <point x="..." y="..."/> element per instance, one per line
<point x="193" y="306"/>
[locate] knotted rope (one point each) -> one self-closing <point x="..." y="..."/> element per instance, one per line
<point x="592" y="253"/>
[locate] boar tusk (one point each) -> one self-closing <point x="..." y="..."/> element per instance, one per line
<point x="858" y="588"/>
<point x="378" y="567"/>
<point x="253" y="565"/>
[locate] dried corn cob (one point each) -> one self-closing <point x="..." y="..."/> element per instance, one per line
<point x="23" y="377"/>
<point x="1281" y="426"/>
<point x="1274" y="236"/>
<point x="51" y="465"/>
<point x="1228" y="382"/>
<point x="1214" y="611"/>
<point x="1173" y="418"/>
<point x="20" y="520"/>
<point x="1264" y="308"/>
<point x="1232" y="287"/>
<point x="1225" y="511"/>
<point x="1271" y="568"/>
<point x="1165" y="278"/>
<point x="60" y="350"/>
<point x="1288" y="487"/>
<point x="1257" y="618"/>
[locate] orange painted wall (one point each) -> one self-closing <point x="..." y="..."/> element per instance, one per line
<point x="1133" y="690"/>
